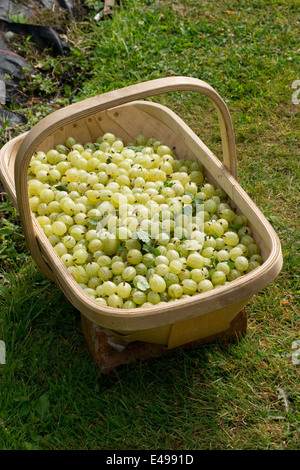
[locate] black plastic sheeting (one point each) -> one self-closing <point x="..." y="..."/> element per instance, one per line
<point x="13" y="118"/>
<point x="11" y="7"/>
<point x="43" y="35"/>
<point x="66" y="4"/>
<point x="11" y="64"/>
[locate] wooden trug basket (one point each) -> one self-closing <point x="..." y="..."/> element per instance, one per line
<point x="125" y="113"/>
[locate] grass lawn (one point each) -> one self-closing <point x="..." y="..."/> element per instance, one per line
<point x="243" y="396"/>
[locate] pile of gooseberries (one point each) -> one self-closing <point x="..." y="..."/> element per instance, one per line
<point x="135" y="225"/>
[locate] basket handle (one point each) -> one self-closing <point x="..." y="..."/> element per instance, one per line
<point x="90" y="106"/>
